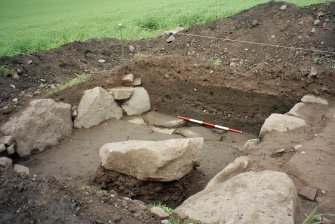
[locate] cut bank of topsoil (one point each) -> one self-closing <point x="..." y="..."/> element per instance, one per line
<point x="181" y="76"/>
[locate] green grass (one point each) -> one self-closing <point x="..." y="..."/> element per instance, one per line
<point x="316" y="218"/>
<point x="79" y="79"/>
<point x="32" y="25"/>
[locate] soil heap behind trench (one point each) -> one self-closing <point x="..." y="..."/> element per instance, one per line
<point x="249" y="83"/>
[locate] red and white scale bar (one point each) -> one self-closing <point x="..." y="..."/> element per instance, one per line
<point x="209" y="124"/>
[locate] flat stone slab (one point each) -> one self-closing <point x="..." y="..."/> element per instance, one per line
<point x="136" y="119"/>
<point x="314" y="99"/>
<point x="207" y="133"/>
<point x="154" y="118"/>
<point x="308" y="193"/>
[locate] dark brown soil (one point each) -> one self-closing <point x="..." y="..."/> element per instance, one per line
<point x="30" y="200"/>
<point x="234" y="83"/>
<point x="171" y="193"/>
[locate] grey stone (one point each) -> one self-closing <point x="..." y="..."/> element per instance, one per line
<point x="170" y="39"/>
<point x="101" y="60"/>
<point x="207" y="133"/>
<point x="250" y="143"/>
<point x="313" y="73"/>
<point x="44" y="123"/>
<point x="5" y="162"/>
<point x="232" y="169"/>
<point x="254" y="22"/>
<point x="313" y="30"/>
<point x="314" y="99"/>
<point x="152" y="160"/>
<point x="295" y="110"/>
<point x="138" y="103"/>
<point x="308" y="193"/>
<point x="137" y="119"/>
<point x="316" y="22"/>
<point x="252" y="197"/>
<point x="131" y="49"/>
<point x="121" y="93"/>
<point x="283" y="7"/>
<point x="96" y="106"/>
<point x="2" y="147"/>
<point x="137" y="82"/>
<point x="7" y="140"/>
<point x="21" y="169"/>
<point x="281" y="123"/>
<point x="162" y="120"/>
<point x="168" y="131"/>
<point x="127" y="79"/>
<point x="165" y="221"/>
<point x="159" y="212"/>
<point x="11" y="149"/>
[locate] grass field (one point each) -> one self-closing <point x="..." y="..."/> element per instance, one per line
<point x="33" y="25"/>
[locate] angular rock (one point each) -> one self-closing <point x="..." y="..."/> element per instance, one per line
<point x="250" y="143"/>
<point x="5" y="162"/>
<point x="44" y="123"/>
<point x="96" y="106"/>
<point x="127" y="79"/>
<point x="232" y="169"/>
<point x="162" y="120"/>
<point x="152" y="160"/>
<point x="308" y="193"/>
<point x="294" y="111"/>
<point x="137" y="82"/>
<point x="170" y="39"/>
<point x="159" y="212"/>
<point x="11" y="149"/>
<point x="317" y="22"/>
<point x="138" y="103"/>
<point x="21" y="169"/>
<point x="281" y="123"/>
<point x="314" y="99"/>
<point x="313" y="72"/>
<point x="252" y="197"/>
<point x="7" y="140"/>
<point x="2" y="148"/>
<point x="121" y="93"/>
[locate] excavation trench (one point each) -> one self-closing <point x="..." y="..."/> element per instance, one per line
<point x="77" y="157"/>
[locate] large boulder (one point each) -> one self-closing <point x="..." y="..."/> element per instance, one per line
<point x="44" y="123"/>
<point x="138" y="103"/>
<point x="281" y="123"/>
<point x="96" y="106"/>
<point x="162" y="120"/>
<point x="252" y="197"/>
<point x="152" y="160"/>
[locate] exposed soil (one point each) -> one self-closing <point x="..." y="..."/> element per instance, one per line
<point x="32" y="200"/>
<point x="232" y="83"/>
